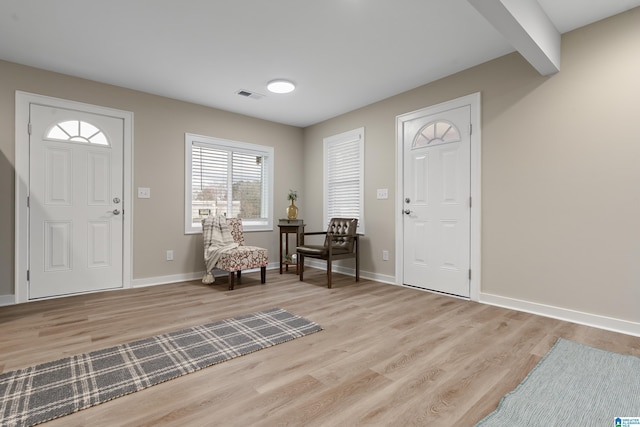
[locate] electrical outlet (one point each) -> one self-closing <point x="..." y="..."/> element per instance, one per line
<point x="170" y="255"/>
<point x="385" y="255"/>
<point x="144" y="193"/>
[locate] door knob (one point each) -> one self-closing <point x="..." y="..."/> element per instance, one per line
<point x="407" y="211"/>
<point x="116" y="212"/>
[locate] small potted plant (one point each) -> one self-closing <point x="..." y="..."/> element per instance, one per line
<point x="292" y="210"/>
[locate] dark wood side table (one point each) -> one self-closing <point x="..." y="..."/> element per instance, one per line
<point x="290" y="226"/>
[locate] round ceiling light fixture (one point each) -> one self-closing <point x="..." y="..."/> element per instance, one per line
<point x="280" y="86"/>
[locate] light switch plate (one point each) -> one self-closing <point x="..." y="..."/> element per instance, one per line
<point x="144" y="193"/>
<point x="382" y="193"/>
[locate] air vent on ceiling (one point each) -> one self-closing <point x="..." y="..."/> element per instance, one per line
<point x="248" y="94"/>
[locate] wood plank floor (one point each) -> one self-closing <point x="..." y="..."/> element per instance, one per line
<point x="388" y="355"/>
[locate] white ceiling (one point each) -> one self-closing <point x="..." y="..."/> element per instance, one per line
<point x="342" y="54"/>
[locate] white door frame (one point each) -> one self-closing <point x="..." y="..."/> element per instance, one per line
<point x="23" y="102"/>
<point x="476" y="150"/>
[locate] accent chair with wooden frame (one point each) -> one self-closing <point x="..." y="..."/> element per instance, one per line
<point x="242" y="257"/>
<point x="341" y="241"/>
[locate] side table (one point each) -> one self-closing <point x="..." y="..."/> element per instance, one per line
<point x="290" y="226"/>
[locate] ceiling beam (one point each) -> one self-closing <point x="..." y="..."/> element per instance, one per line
<point x="528" y="28"/>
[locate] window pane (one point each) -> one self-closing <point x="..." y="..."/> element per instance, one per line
<point x="344" y="175"/>
<point x="87" y="130"/>
<point x="99" y="139"/>
<point x="77" y="131"/>
<point x="209" y="183"/>
<point x="57" y="133"/>
<point x="71" y="127"/>
<point x="437" y="133"/>
<point x="247" y="187"/>
<point x="228" y="178"/>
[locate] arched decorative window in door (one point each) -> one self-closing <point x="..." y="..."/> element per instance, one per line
<point x="436" y="133"/>
<point x="77" y="131"/>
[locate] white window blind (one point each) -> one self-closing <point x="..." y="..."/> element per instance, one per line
<point x="344" y="177"/>
<point x="228" y="178"/>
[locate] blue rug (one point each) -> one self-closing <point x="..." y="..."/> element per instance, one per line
<point x="573" y="385"/>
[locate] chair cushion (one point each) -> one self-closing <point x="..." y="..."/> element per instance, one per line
<point x="313" y="250"/>
<point x="319" y="250"/>
<point x="243" y="258"/>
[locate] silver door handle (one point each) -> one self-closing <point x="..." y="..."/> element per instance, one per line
<point x="116" y="212"/>
<point x="408" y="212"/>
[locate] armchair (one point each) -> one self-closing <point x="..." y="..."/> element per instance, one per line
<point x="224" y="249"/>
<point x="341" y="242"/>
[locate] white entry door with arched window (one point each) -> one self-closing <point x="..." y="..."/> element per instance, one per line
<point x="438" y="175"/>
<point x="76" y="195"/>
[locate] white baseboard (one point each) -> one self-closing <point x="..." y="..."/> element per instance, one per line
<point x="601" y="322"/>
<point x="320" y="265"/>
<point x="7" y="300"/>
<point x="174" y="278"/>
<point x="384" y="278"/>
<point x="157" y="280"/>
<point x="163" y="280"/>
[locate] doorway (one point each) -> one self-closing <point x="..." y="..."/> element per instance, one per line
<point x="73" y="197"/>
<point x="438" y="222"/>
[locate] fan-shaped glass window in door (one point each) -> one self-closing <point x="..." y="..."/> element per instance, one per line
<point x="436" y="133"/>
<point x="77" y="131"/>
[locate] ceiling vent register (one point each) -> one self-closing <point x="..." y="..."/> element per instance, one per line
<point x="249" y="94"/>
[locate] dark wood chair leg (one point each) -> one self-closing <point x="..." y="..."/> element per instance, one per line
<point x="301" y="265"/>
<point x="329" y="273"/>
<point x="231" y="280"/>
<point x="239" y="274"/>
<point x="357" y="262"/>
<point x="263" y="275"/>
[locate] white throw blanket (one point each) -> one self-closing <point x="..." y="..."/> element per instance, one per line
<point x="217" y="240"/>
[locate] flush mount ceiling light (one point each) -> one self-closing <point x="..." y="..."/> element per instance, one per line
<point x="280" y="86"/>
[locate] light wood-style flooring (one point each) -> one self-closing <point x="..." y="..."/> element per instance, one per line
<point x="388" y="355"/>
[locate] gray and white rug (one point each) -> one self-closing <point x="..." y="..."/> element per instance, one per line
<point x="573" y="385"/>
<point x="50" y="390"/>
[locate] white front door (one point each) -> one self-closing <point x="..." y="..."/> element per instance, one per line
<point x="436" y="200"/>
<point x="75" y="201"/>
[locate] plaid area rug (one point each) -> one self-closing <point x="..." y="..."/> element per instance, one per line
<point x="50" y="390"/>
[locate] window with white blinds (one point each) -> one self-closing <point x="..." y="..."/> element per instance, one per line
<point x="344" y="177"/>
<point x="228" y="178"/>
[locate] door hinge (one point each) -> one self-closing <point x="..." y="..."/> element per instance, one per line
<point x="27" y="275"/>
<point x="28" y="202"/>
<point x="469" y="274"/>
<point x="29" y="128"/>
<point x="470" y="201"/>
<point x="470" y="129"/>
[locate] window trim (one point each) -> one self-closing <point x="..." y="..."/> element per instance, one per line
<point x="355" y="135"/>
<point x="238" y="147"/>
